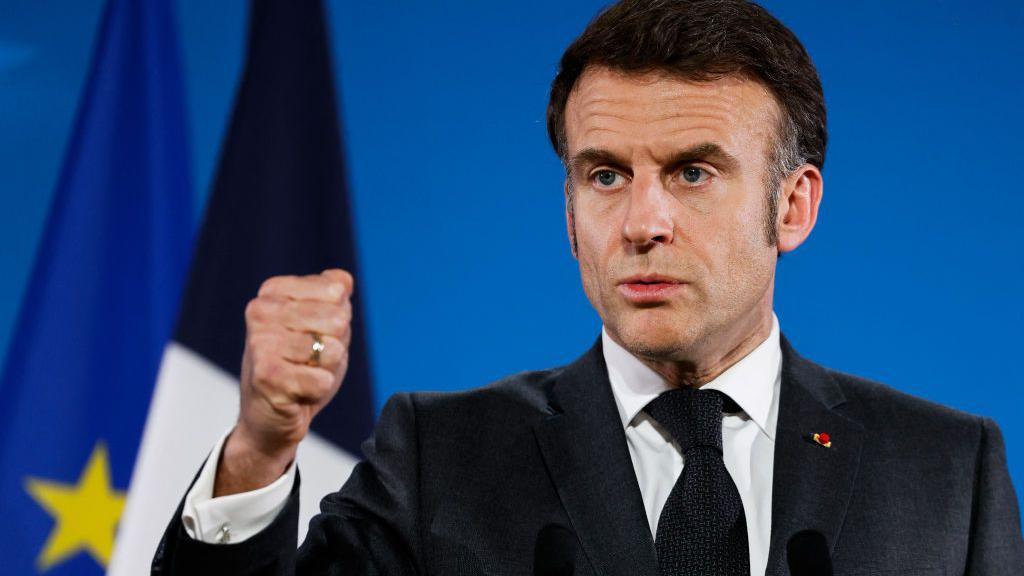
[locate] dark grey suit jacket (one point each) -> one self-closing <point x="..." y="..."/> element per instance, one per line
<point x="463" y="483"/>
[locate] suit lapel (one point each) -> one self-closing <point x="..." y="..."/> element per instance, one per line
<point x="812" y="484"/>
<point x="584" y="448"/>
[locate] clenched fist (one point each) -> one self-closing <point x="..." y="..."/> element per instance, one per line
<point x="284" y="382"/>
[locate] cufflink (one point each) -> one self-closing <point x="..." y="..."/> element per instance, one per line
<point x="223" y="535"/>
<point x="822" y="439"/>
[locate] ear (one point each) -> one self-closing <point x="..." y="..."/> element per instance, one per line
<point x="798" y="206"/>
<point x="570" y="219"/>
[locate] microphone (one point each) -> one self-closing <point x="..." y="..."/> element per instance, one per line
<point x="555" y="552"/>
<point x="808" y="554"/>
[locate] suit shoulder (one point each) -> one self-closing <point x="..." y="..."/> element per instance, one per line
<point x="521" y="392"/>
<point x="888" y="408"/>
<point x="490" y="417"/>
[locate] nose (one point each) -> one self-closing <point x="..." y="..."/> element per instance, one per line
<point x="648" y="217"/>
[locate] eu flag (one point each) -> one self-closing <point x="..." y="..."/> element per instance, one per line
<point x="100" y="303"/>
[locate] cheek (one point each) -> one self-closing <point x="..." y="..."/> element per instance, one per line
<point x="592" y="273"/>
<point x="747" y="230"/>
<point x="595" y="245"/>
<point x="593" y="266"/>
<point x="749" y="258"/>
<point x="738" y="255"/>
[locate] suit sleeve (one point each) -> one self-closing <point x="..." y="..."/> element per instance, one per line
<point x="997" y="548"/>
<point x="271" y="552"/>
<point x="369" y="527"/>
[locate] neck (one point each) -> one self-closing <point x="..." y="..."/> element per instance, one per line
<point x="718" y="355"/>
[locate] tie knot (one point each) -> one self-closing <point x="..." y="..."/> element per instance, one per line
<point x="692" y="417"/>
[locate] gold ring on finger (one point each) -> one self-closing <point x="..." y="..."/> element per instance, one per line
<point x="318" y="347"/>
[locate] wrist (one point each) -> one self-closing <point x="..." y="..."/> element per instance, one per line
<point x="245" y="465"/>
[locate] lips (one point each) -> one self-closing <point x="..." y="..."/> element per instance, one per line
<point x="651" y="279"/>
<point x="649" y="288"/>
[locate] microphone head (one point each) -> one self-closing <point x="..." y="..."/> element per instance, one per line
<point x="808" y="554"/>
<point x="555" y="552"/>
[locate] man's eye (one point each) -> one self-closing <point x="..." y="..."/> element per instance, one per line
<point x="606" y="178"/>
<point x="694" y="175"/>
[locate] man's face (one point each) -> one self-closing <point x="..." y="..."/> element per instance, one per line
<point x="669" y="184"/>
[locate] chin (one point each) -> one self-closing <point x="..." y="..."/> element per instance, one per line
<point x="656" y="335"/>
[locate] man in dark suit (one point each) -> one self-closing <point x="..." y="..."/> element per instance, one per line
<point x="691" y="438"/>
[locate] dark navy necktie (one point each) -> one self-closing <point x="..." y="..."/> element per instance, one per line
<point x="702" y="529"/>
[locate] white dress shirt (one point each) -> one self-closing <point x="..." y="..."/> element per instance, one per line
<point x="233" y="518"/>
<point x="748" y="437"/>
<point x="748" y="442"/>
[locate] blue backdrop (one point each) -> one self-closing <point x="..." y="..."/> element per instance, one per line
<point x="912" y="277"/>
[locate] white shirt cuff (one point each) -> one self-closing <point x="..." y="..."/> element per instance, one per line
<point x="236" y="517"/>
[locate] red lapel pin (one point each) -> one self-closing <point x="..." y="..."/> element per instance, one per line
<point x="822" y="439"/>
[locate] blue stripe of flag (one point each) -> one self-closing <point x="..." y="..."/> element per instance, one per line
<point x="279" y="204"/>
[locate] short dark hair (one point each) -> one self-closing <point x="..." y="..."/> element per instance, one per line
<point x="704" y="40"/>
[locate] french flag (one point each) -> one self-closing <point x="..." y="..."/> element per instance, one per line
<point x="279" y="206"/>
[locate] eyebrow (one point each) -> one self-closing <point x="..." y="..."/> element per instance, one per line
<point x="593" y="156"/>
<point x="705" y="152"/>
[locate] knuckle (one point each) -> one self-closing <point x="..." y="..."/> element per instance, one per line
<point x="335" y="289"/>
<point x="267" y="337"/>
<point x="268" y="285"/>
<point x="344" y="312"/>
<point x="290" y="308"/>
<point x="343" y="364"/>
<point x="337" y="274"/>
<point x="265" y="370"/>
<point x="336" y="324"/>
<point x="347" y="281"/>
<point x="338" y="283"/>
<point x="323" y="381"/>
<point x="336" y="352"/>
<point x="274" y="284"/>
<point x="256" y="341"/>
<point x="254" y="310"/>
<point x="328" y="389"/>
<point x="259" y="369"/>
<point x="261" y="309"/>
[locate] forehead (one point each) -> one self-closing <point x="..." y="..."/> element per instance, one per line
<point x="659" y="113"/>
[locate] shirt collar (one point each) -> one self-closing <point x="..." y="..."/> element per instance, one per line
<point x="750" y="382"/>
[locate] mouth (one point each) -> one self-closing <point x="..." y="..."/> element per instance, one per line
<point x="649" y="288"/>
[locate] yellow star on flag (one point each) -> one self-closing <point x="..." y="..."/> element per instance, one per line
<point x="85" y="514"/>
